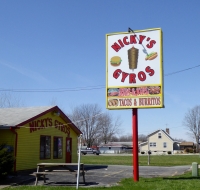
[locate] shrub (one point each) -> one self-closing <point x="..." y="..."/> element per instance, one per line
<point x="187" y="150"/>
<point x="6" y="161"/>
<point x="191" y="151"/>
<point x="169" y="152"/>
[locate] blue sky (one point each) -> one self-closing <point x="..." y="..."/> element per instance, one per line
<point x="61" y="45"/>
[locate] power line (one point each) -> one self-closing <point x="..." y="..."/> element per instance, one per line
<point x="182" y="70"/>
<point x="55" y="90"/>
<point x="79" y="88"/>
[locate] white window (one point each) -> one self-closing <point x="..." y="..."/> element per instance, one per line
<point x="164" y="145"/>
<point x="159" y="135"/>
<point x="152" y="144"/>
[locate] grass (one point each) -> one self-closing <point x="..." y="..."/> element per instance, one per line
<point x="183" y="182"/>
<point x="158" y="160"/>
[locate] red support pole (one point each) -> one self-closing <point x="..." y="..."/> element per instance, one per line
<point x="135" y="144"/>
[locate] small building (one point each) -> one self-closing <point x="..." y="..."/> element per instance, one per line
<point x="116" y="147"/>
<point x="159" y="142"/>
<point x="186" y="145"/>
<point x="38" y="134"/>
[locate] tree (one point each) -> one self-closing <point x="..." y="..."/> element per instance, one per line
<point x="7" y="100"/>
<point x="85" y="118"/>
<point x="192" y="123"/>
<point x="142" y="138"/>
<point x="95" y="125"/>
<point x="125" y="138"/>
<point x="108" y="127"/>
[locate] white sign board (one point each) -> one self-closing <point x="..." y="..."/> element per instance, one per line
<point x="134" y="72"/>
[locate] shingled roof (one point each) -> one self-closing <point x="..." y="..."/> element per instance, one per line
<point x="13" y="117"/>
<point x="186" y="144"/>
<point x="163" y="132"/>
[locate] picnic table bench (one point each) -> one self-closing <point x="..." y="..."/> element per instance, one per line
<point x="68" y="167"/>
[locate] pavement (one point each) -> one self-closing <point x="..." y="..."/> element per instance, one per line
<point x="95" y="175"/>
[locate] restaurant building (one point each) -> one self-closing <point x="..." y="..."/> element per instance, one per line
<point x="38" y="134"/>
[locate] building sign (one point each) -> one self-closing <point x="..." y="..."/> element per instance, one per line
<point x="49" y="122"/>
<point x="134" y="72"/>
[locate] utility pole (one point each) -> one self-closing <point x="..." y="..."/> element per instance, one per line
<point x="148" y="151"/>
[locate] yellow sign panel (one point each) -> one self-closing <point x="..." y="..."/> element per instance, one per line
<point x="134" y="69"/>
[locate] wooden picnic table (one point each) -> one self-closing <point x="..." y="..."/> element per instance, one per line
<point x="67" y="167"/>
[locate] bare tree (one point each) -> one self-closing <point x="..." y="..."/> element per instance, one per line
<point x="142" y="138"/>
<point x="95" y="125"/>
<point x="126" y="138"/>
<point x="109" y="127"/>
<point x="192" y="123"/>
<point x="7" y="100"/>
<point x="179" y="140"/>
<point x="86" y="119"/>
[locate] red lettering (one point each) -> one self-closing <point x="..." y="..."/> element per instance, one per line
<point x="140" y="101"/>
<point x="116" y="47"/>
<point x="56" y="124"/>
<point x="158" y="102"/>
<point x="32" y="127"/>
<point x="141" y="39"/>
<point x="132" y="77"/>
<point x="134" y="92"/>
<point x="50" y="122"/>
<point x="130" y="102"/>
<point x="120" y="42"/>
<point x="150" y="71"/>
<point x="125" y="102"/>
<point x="135" y="102"/>
<point x="46" y="122"/>
<point x="151" y="43"/>
<point x="42" y="123"/>
<point x="117" y="73"/>
<point x="124" y="75"/>
<point x="38" y="124"/>
<point x="142" y="76"/>
<point x="133" y="39"/>
<point x="121" y="102"/>
<point x="121" y="92"/>
<point x="124" y="40"/>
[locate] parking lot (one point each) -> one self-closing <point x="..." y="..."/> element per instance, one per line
<point x="109" y="175"/>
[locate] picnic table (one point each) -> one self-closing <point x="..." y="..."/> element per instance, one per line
<point x="66" y="167"/>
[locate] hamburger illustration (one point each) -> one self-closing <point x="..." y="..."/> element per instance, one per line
<point x="151" y="56"/>
<point x="115" y="61"/>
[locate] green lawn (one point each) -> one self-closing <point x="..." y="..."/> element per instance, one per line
<point x="162" y="160"/>
<point x="183" y="182"/>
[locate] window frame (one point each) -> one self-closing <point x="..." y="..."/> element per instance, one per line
<point x="160" y="135"/>
<point x="57" y="147"/>
<point x="152" y="144"/>
<point x="43" y="141"/>
<point x="164" y="144"/>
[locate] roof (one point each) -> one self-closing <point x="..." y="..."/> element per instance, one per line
<point x="118" y="144"/>
<point x="186" y="144"/>
<point x="16" y="117"/>
<point x="163" y="132"/>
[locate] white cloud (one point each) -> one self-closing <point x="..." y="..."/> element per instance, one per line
<point x="26" y="72"/>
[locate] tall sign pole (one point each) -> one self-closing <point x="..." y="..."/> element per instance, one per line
<point x="134" y="75"/>
<point x="135" y="144"/>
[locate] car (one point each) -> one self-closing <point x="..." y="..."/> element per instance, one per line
<point x="90" y="151"/>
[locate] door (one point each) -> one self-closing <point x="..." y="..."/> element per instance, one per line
<point x="68" y="150"/>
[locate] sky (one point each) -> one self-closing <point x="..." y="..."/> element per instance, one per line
<point x="54" y="52"/>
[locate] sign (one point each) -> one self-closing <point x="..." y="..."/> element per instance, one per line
<point x="134" y="72"/>
<point x="48" y="122"/>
